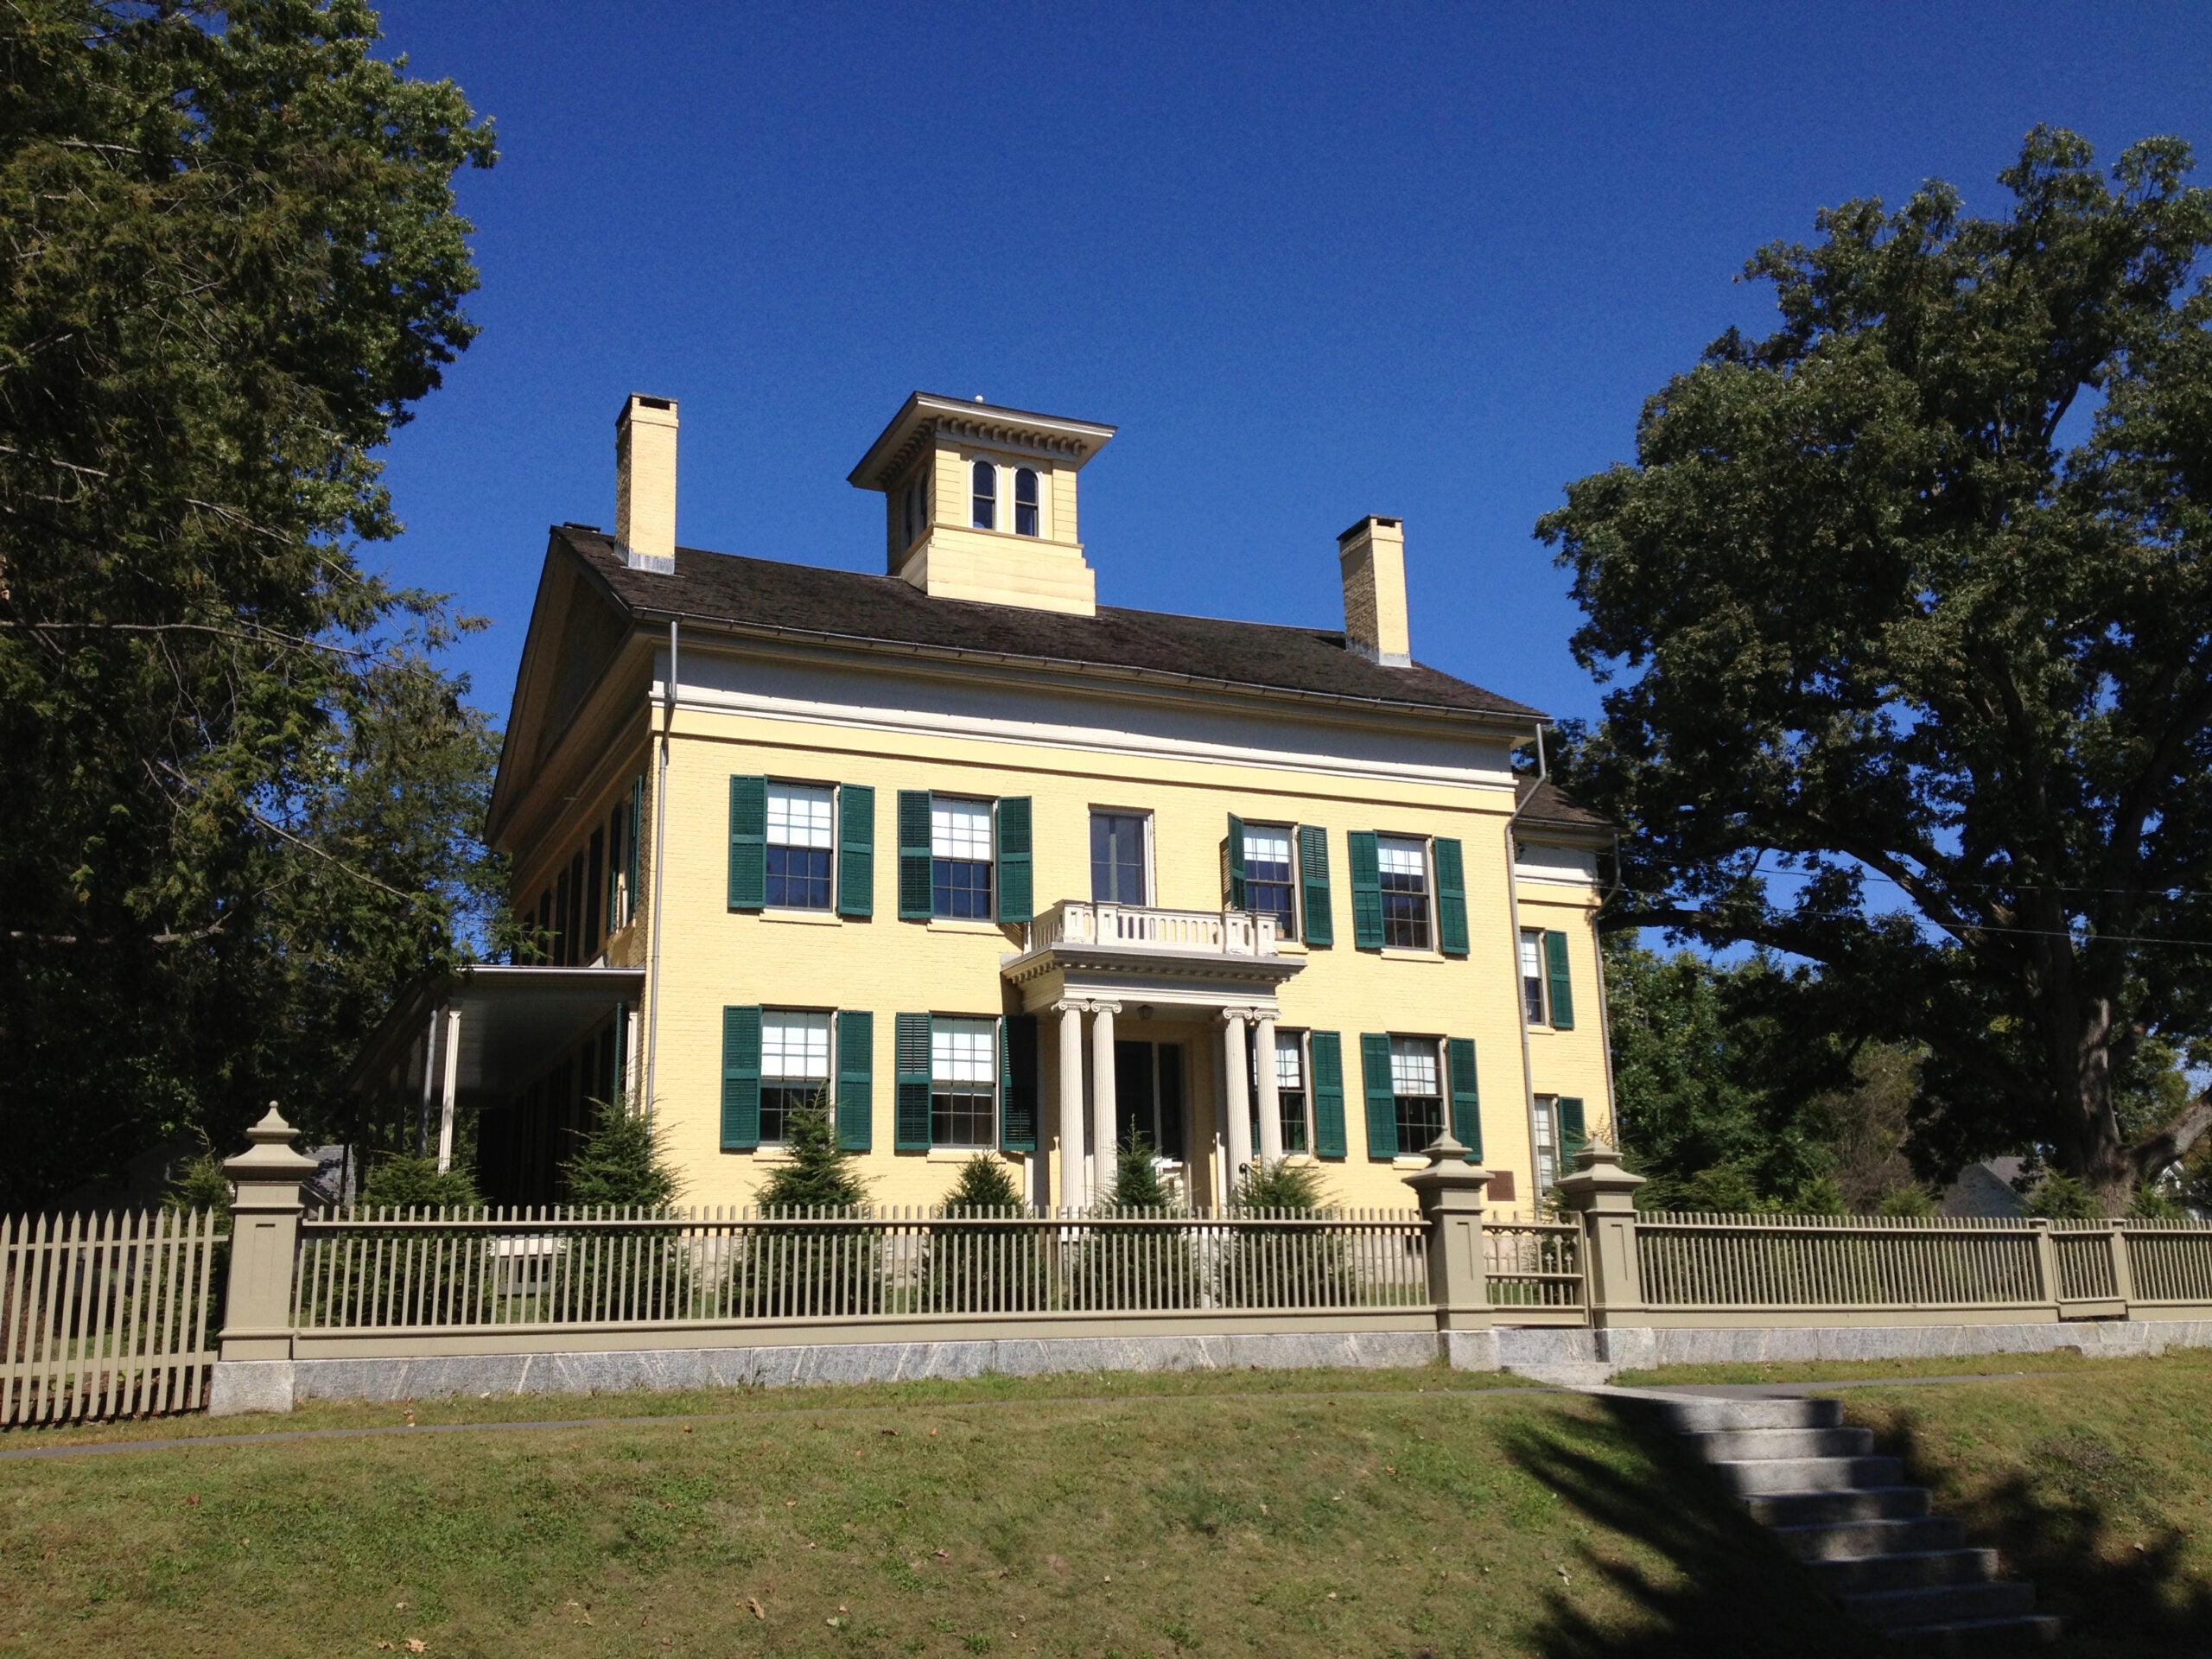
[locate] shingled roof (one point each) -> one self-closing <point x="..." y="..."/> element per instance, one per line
<point x="1547" y="803"/>
<point x="726" y="588"/>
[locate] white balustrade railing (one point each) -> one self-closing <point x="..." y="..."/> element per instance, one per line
<point x="1197" y="932"/>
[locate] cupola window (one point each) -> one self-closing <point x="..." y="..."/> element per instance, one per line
<point x="986" y="496"/>
<point x="1025" y="502"/>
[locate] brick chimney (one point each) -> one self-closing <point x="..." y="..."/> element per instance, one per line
<point x="644" y="483"/>
<point x="1372" y="554"/>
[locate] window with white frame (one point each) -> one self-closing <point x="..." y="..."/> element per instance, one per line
<point x="1025" y="502"/>
<point x="1117" y="857"/>
<point x="794" y="1066"/>
<point x="986" y="496"/>
<point x="802" y="840"/>
<point x="1290" y="1088"/>
<point x="1547" y="1143"/>
<point x="1403" y="862"/>
<point x="959" y="858"/>
<point x="1532" y="975"/>
<point x="963" y="1082"/>
<point x="1416" y="1088"/>
<point x="1270" y="879"/>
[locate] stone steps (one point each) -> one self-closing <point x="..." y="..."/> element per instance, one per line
<point x="1846" y="1512"/>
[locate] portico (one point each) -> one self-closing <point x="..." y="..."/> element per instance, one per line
<point x="1199" y="982"/>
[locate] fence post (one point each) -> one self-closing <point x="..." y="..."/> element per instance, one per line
<point x="2054" y="1288"/>
<point x="254" y="1372"/>
<point x="1604" y="1194"/>
<point x="1450" y="1191"/>
<point x="2123" y="1269"/>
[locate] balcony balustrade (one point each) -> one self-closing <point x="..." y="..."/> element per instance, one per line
<point x="1140" y="927"/>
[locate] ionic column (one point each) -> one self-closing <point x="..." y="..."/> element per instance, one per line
<point x="1263" y="1045"/>
<point x="1070" y="1087"/>
<point x="1237" y="1132"/>
<point x="1101" y="1098"/>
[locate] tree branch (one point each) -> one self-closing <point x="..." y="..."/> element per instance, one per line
<point x="2172" y="1143"/>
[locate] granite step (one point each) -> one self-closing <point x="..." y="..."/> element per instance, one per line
<point x="1749" y="1445"/>
<point x="1751" y="1475"/>
<point x="1705" y="1416"/>
<point x="1974" y="1636"/>
<point x="1911" y="1569"/>
<point x="1943" y="1603"/>
<point x="1845" y="1541"/>
<point x="1854" y="1503"/>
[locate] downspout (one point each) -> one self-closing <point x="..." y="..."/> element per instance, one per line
<point x="660" y="866"/>
<point x="1519" y="1007"/>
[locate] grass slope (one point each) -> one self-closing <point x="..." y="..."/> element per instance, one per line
<point x="1172" y="1515"/>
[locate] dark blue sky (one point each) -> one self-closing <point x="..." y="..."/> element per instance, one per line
<point x="1314" y="263"/>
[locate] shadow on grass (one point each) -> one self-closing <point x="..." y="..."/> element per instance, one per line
<point x="2085" y="1523"/>
<point x="1721" y="1586"/>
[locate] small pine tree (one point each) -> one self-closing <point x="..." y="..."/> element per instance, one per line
<point x="1819" y="1196"/>
<point x="985" y="1187"/>
<point x="1279" y="1185"/>
<point x="1907" y="1201"/>
<point x="200" y="1184"/>
<point x="2061" y="1198"/>
<point x="820" y="1173"/>
<point x="1137" y="1185"/>
<point x="401" y="1181"/>
<point x="620" y="1163"/>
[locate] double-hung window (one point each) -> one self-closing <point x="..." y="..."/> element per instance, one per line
<point x="1532" y="975"/>
<point x="1290" y="1088"/>
<point x="959" y="858"/>
<point x="802" y="839"/>
<point x="1403" y="864"/>
<point x="1416" y="1089"/>
<point x="963" y="1082"/>
<point x="1547" y="1142"/>
<point x="1118" y="858"/>
<point x="1269" y="879"/>
<point x="1025" y="502"/>
<point x="986" y="496"/>
<point x="794" y="1066"/>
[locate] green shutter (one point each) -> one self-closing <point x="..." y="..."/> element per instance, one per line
<point x="1366" y="890"/>
<point x="1328" y="1094"/>
<point x="1381" y="1100"/>
<point x="740" y="1079"/>
<point x="912" y="1059"/>
<point x="855" y="1080"/>
<point x="1562" y="982"/>
<point x="1234" y="853"/>
<point x="1012" y="880"/>
<point x="610" y="904"/>
<point x="748" y="842"/>
<point x="1314" y="875"/>
<point x="913" y="854"/>
<point x="1571" y="1135"/>
<point x="1451" y="898"/>
<point x="1466" y="1096"/>
<point x="855" y="851"/>
<point x="1018" y="1083"/>
<point x="637" y="843"/>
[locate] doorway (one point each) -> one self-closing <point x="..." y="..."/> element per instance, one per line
<point x="1149" y="1095"/>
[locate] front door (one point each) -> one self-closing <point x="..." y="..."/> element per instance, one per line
<point x="1149" y="1095"/>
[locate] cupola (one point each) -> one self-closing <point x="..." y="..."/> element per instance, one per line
<point x="980" y="502"/>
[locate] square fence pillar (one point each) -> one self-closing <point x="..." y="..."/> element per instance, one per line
<point x="1450" y="1194"/>
<point x="265" y="1237"/>
<point x="1604" y="1194"/>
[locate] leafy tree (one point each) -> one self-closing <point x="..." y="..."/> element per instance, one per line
<point x="1911" y="600"/>
<point x="819" y="1173"/>
<point x="619" y="1164"/>
<point x="242" y="793"/>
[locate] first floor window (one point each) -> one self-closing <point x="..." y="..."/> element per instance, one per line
<point x="1532" y="975"/>
<point x="959" y="858"/>
<point x="1546" y="1142"/>
<point x="1290" y="1088"/>
<point x="1403" y="862"/>
<point x="1415" y="1085"/>
<point x="802" y="834"/>
<point x="794" y="1066"/>
<point x="963" y="1082"/>
<point x="1267" y="875"/>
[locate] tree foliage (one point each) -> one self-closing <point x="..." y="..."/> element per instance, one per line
<point x="819" y="1173"/>
<point x="985" y="1187"/>
<point x="620" y="1163"/>
<point x="1909" y="606"/>
<point x="242" y="794"/>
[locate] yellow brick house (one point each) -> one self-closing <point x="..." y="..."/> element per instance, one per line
<point x="1007" y="869"/>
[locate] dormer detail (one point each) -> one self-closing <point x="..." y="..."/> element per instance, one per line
<point x="980" y="502"/>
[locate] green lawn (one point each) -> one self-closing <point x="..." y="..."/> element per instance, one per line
<point x="1407" y="1513"/>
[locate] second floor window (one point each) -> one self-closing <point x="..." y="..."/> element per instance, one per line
<point x="794" y="1066"/>
<point x="802" y="836"/>
<point x="986" y="496"/>
<point x="1268" y="879"/>
<point x="963" y="1082"/>
<point x="1025" y="502"/>
<point x="960" y="858"/>
<point x="1118" y="858"/>
<point x="1403" y="864"/>
<point x="1415" y="1087"/>
<point x="1532" y="975"/>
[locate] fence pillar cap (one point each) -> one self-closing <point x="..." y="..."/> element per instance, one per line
<point x="272" y="1156"/>
<point x="1450" y="1182"/>
<point x="1599" y="1182"/>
